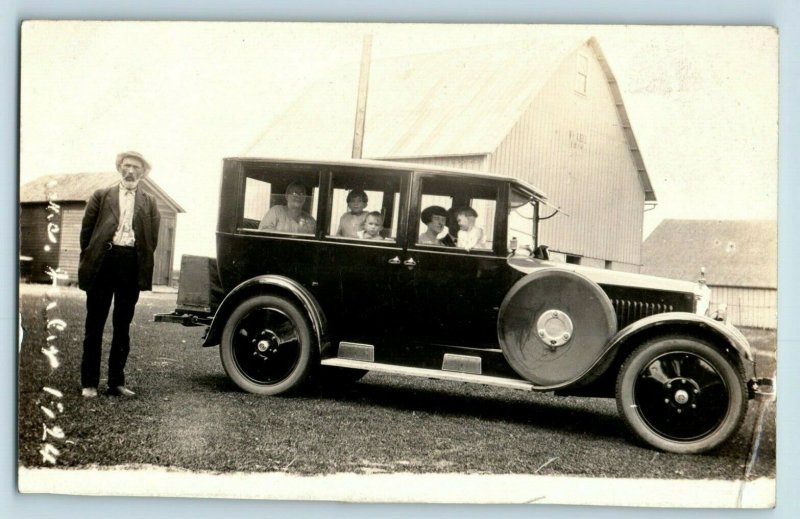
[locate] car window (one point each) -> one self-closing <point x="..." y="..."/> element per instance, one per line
<point x="521" y="220"/>
<point x="364" y="206"/>
<point x="456" y="215"/>
<point x="280" y="202"/>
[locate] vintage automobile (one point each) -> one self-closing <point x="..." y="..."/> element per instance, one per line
<point x="295" y="295"/>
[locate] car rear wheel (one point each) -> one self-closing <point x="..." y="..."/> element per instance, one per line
<point x="681" y="395"/>
<point x="266" y="346"/>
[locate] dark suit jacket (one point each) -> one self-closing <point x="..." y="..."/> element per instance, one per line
<point x="100" y="222"/>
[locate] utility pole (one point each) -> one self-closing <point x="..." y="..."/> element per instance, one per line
<point x="361" y="106"/>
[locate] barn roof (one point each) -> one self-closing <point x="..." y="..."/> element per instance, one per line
<point x="447" y="103"/>
<point x="454" y="103"/>
<point x="741" y="253"/>
<point x="78" y="187"/>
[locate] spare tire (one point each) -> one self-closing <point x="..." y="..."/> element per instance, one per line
<point x="553" y="325"/>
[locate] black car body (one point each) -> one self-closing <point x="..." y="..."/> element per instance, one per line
<point x="284" y="305"/>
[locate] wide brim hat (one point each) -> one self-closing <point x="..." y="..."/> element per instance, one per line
<point x="136" y="155"/>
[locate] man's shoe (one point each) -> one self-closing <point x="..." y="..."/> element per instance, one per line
<point x="120" y="391"/>
<point x="89" y="392"/>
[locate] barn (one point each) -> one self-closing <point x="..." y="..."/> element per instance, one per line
<point x="71" y="192"/>
<point x="549" y="112"/>
<point x="739" y="257"/>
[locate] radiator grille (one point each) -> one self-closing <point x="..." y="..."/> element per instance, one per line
<point x="629" y="311"/>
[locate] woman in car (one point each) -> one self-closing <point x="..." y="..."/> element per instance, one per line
<point x="434" y="217"/>
<point x="290" y="217"/>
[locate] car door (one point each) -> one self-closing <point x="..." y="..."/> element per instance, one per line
<point x="359" y="279"/>
<point x="457" y="292"/>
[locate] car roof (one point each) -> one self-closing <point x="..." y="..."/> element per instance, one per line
<point x="392" y="165"/>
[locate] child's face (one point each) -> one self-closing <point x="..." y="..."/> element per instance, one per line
<point x="465" y="222"/>
<point x="372" y="226"/>
<point x="356" y="205"/>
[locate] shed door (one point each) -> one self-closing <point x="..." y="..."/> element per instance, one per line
<point x="162" y="268"/>
<point x="168" y="255"/>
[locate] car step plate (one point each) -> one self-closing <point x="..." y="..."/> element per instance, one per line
<point x="429" y="373"/>
<point x="357" y="351"/>
<point x="461" y="363"/>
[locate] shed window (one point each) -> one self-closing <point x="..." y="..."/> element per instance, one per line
<point x="581" y="74"/>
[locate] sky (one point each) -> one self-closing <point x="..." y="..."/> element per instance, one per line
<point x="703" y="101"/>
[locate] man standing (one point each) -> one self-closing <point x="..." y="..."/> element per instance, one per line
<point x="118" y="236"/>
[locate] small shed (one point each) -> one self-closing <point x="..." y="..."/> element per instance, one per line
<point x="546" y="111"/>
<point x="70" y="192"/>
<point x="739" y="257"/>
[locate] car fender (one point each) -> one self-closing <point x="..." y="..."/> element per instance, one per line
<point x="671" y="323"/>
<point x="683" y="323"/>
<point x="269" y="284"/>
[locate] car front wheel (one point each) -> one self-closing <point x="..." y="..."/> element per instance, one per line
<point x="266" y="346"/>
<point x="681" y="395"/>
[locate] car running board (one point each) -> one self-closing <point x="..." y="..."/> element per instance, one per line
<point x="429" y="373"/>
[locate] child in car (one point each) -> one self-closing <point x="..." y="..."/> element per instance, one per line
<point x="469" y="236"/>
<point x="353" y="220"/>
<point x="373" y="225"/>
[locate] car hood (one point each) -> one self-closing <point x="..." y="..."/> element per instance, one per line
<point x="526" y="265"/>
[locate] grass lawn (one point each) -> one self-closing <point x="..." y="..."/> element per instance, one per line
<point x="187" y="414"/>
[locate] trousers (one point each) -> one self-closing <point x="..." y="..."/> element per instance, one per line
<point x="117" y="280"/>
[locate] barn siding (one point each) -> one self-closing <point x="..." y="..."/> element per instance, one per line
<point x="72" y="215"/>
<point x="572" y="147"/>
<point x="753" y="307"/>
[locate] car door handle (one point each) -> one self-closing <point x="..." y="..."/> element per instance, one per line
<point x="409" y="262"/>
<point x="395" y="261"/>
